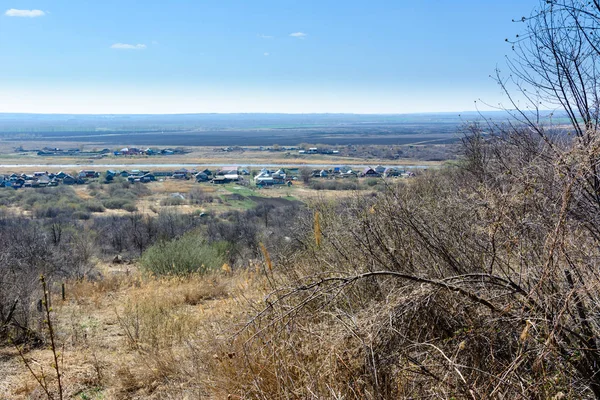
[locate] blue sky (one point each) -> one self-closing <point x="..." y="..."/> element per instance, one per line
<point x="188" y="56"/>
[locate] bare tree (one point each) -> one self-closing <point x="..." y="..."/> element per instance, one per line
<point x="555" y="67"/>
<point x="305" y="174"/>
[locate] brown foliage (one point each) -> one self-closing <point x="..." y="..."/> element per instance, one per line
<point x="475" y="282"/>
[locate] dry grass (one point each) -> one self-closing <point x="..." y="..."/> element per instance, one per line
<point x="160" y="191"/>
<point x="94" y="292"/>
<point x="169" y="186"/>
<point x="128" y="337"/>
<point x="83" y="192"/>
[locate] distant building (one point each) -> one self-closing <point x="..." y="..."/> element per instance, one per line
<point x="391" y="172"/>
<point x="220" y="180"/>
<point x="201" y="177"/>
<point x="370" y="173"/>
<point x="266" y="177"/>
<point x="88" y="174"/>
<point x="69" y="180"/>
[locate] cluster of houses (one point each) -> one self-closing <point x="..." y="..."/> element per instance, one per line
<point x="316" y="150"/>
<point x="265" y="177"/>
<point x="268" y="178"/>
<point x="347" y="172"/>
<point x="135" y="175"/>
<point x="134" y="151"/>
<point x="225" y="175"/>
<point x="126" y="151"/>
<point x="45" y="179"/>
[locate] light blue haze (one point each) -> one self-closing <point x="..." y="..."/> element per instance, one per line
<point x="184" y="56"/>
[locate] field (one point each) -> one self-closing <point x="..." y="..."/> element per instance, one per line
<point x="197" y="156"/>
<point x="216" y="140"/>
<point x="231" y="130"/>
<point x="287" y="137"/>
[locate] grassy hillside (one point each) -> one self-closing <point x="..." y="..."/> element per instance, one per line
<point x="473" y="281"/>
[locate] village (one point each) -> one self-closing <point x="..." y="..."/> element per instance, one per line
<point x="125" y="151"/>
<point x="261" y="178"/>
<point x="133" y="151"/>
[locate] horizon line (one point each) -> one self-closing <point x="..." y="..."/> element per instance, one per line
<point x="258" y="113"/>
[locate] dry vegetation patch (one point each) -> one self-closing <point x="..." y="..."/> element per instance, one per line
<point x="128" y="336"/>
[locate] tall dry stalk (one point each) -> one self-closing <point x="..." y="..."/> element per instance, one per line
<point x="41" y="377"/>
<point x="317" y="229"/>
<point x="266" y="255"/>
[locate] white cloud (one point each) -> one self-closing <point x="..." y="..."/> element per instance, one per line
<point x="299" y="35"/>
<point x="24" y="13"/>
<point x="266" y="54"/>
<point x="125" y="46"/>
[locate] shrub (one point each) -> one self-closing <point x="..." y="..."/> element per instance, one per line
<point x="131" y="207"/>
<point x="82" y="215"/>
<point x="185" y="255"/>
<point x="172" y="201"/>
<point x="198" y="196"/>
<point x="139" y="189"/>
<point x="53" y="211"/>
<point x="94" y="206"/>
<point x="116" y="203"/>
<point x="335" y="185"/>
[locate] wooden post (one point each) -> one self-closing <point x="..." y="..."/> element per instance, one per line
<point x="63" y="292"/>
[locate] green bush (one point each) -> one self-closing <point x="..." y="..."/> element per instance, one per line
<point x="185" y="255"/>
<point x="94" y="206"/>
<point x="131" y="207"/>
<point x="9" y="196"/>
<point x="115" y="203"/>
